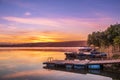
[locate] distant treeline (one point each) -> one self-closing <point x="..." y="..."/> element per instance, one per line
<point x="107" y="38"/>
<point x="48" y="44"/>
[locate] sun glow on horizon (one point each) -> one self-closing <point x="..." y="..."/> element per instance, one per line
<point x="44" y="39"/>
<point x="34" y="37"/>
<point x="52" y="21"/>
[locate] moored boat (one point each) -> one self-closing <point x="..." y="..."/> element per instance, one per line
<point x="86" y="53"/>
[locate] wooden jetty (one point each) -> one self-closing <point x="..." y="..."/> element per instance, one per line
<point x="81" y="64"/>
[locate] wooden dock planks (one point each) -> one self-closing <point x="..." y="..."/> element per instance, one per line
<point x="83" y="62"/>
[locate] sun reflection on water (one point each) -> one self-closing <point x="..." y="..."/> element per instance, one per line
<point x="27" y="65"/>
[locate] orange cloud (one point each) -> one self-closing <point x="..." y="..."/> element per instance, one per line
<point x="40" y="37"/>
<point x="69" y="29"/>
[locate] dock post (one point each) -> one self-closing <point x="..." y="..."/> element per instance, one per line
<point x="86" y="67"/>
<point x="101" y="66"/>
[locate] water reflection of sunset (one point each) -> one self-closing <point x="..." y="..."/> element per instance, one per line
<point x="15" y="61"/>
<point x="27" y="65"/>
<point x="30" y="56"/>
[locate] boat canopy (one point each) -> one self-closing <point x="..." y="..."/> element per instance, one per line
<point x="85" y="49"/>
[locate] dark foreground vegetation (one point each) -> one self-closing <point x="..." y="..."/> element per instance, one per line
<point x="109" y="37"/>
<point x="108" y="41"/>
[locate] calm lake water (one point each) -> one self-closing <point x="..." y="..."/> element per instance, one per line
<point x="26" y="64"/>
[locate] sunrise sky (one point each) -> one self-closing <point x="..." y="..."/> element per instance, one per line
<point x="23" y="21"/>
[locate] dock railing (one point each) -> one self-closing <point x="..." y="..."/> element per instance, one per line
<point x="50" y="59"/>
